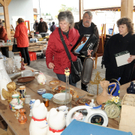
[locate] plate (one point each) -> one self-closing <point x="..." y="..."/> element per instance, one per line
<point x="54" y="82"/>
<point x="60" y="98"/>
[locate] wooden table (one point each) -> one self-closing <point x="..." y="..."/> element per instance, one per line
<point x="31" y="89"/>
<point x="39" y="46"/>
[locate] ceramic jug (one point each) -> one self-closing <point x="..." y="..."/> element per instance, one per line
<point x="15" y="102"/>
<point x="104" y="96"/>
<point x="56" y="122"/>
<point x="112" y="85"/>
<point x="4" y="78"/>
<point x="22" y="118"/>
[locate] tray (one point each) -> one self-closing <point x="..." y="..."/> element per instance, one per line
<point x="25" y="79"/>
<point x="82" y="101"/>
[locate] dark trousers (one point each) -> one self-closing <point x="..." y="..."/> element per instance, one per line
<point x="62" y="77"/>
<point x="25" y="55"/>
<point x="5" y="51"/>
<point x="83" y="86"/>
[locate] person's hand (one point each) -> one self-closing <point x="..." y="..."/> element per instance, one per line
<point x="51" y="65"/>
<point x="89" y="52"/>
<point x="131" y="58"/>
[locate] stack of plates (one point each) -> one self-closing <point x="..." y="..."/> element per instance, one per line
<point x="60" y="98"/>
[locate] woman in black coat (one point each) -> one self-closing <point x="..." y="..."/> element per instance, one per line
<point x="124" y="41"/>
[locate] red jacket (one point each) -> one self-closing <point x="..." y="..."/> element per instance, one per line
<point x="21" y="35"/>
<point x="56" y="53"/>
<point x="3" y="34"/>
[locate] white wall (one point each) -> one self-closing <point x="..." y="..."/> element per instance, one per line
<point x="21" y="8"/>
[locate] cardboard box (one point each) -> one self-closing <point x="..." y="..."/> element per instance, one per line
<point x="127" y="120"/>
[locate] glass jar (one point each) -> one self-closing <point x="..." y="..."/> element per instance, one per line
<point x="46" y="102"/>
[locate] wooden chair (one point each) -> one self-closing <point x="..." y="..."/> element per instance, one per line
<point x="100" y="49"/>
<point x="113" y="30"/>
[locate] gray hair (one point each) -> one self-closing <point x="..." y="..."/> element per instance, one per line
<point x="68" y="16"/>
<point x="89" y="13"/>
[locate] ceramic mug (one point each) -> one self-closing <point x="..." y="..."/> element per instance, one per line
<point x="31" y="103"/>
<point x="63" y="109"/>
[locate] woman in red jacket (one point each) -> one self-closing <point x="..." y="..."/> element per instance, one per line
<point x="56" y="56"/>
<point x="22" y="40"/>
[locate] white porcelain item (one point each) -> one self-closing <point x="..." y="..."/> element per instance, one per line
<point x="18" y="61"/>
<point x="94" y="115"/>
<point x="4" y="78"/>
<point x="56" y="122"/>
<point x="41" y="79"/>
<point x="38" y="124"/>
<point x="32" y="101"/>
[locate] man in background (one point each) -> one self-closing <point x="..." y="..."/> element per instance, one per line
<point x="53" y="27"/>
<point x="42" y="27"/>
<point x="86" y="26"/>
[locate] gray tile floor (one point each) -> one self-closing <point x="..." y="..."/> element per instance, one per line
<point x="40" y="64"/>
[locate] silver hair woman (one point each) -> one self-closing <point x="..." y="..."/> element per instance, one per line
<point x="56" y="57"/>
<point x="66" y="18"/>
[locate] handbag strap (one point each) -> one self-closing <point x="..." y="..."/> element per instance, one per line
<point x="64" y="44"/>
<point x="14" y="40"/>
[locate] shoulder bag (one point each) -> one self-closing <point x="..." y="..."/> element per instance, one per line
<point x="15" y="48"/>
<point x="76" y="67"/>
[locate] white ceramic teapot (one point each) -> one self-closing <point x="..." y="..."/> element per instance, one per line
<point x="38" y="124"/>
<point x="4" y="78"/>
<point x="56" y="122"/>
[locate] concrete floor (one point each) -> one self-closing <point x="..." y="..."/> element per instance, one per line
<point x="40" y="64"/>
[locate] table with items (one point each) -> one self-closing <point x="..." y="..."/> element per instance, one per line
<point x="34" y="87"/>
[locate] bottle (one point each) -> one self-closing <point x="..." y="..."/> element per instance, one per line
<point x="22" y="118"/>
<point x="7" y="42"/>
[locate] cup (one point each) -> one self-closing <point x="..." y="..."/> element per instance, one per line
<point x="31" y="103"/>
<point x="27" y="99"/>
<point x="63" y="108"/>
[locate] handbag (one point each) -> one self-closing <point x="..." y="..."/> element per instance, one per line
<point x="76" y="67"/>
<point x="15" y="48"/>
